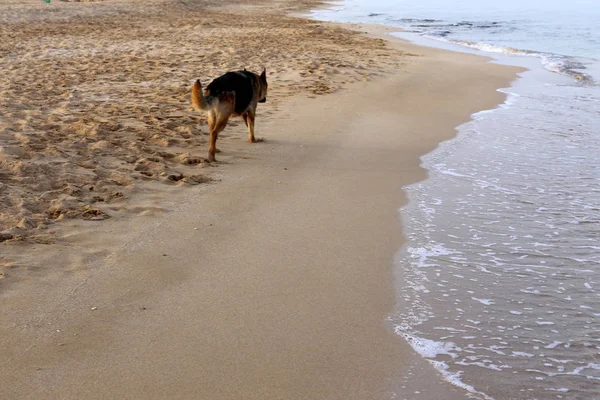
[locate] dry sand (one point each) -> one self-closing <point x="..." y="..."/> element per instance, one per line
<point x="272" y="281"/>
<point x="95" y="96"/>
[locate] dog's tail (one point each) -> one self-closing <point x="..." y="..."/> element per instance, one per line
<point x="199" y="102"/>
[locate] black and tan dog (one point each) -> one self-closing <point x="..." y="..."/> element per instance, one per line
<point x="233" y="94"/>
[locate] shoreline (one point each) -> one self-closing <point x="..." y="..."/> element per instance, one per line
<point x="263" y="275"/>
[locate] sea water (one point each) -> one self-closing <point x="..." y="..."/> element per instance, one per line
<point x="499" y="279"/>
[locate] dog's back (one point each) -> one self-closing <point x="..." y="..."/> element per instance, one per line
<point x="242" y="83"/>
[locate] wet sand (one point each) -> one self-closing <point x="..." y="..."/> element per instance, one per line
<point x="267" y="275"/>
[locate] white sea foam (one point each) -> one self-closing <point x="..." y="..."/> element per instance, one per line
<point x="522" y="354"/>
<point x="487" y="302"/>
<point x="455" y="379"/>
<point x="562" y="390"/>
<point x="430" y="348"/>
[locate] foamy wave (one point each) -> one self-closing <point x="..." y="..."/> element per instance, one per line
<point x="490" y="48"/>
<point x="429" y="349"/>
<point x="563" y="65"/>
<point x="454" y="378"/>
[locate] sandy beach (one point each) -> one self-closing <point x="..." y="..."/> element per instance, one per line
<point x="131" y="268"/>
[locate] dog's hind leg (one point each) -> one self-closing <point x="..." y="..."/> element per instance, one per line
<point x="211" y="121"/>
<point x="219" y="123"/>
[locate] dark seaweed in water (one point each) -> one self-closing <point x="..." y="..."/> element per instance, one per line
<point x="490" y="25"/>
<point x="416" y="20"/>
<point x="476" y="25"/>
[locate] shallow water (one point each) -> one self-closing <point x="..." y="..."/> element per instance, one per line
<point x="502" y="262"/>
<point x="499" y="280"/>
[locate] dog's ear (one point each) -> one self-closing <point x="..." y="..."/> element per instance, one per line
<point x="263" y="76"/>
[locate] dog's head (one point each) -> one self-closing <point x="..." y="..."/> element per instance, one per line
<point x="262" y="96"/>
